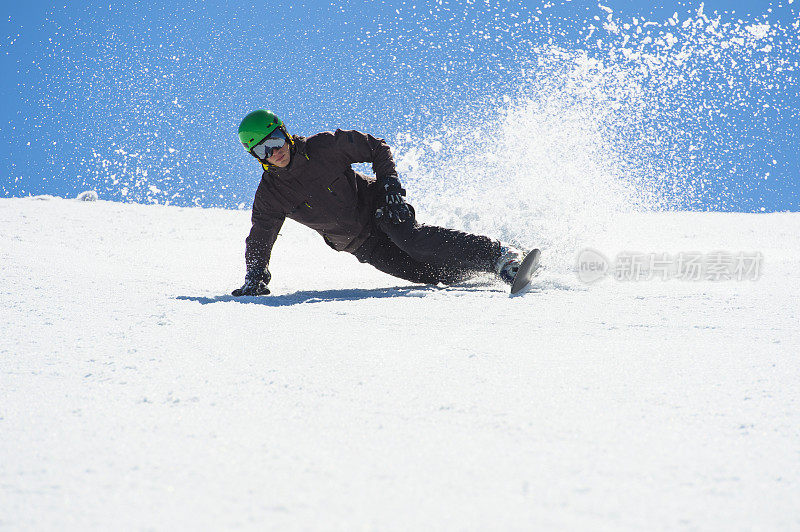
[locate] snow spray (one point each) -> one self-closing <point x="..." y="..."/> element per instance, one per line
<point x="530" y="122"/>
<point x="640" y="119"/>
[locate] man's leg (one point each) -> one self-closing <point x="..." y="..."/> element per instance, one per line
<point x="446" y="248"/>
<point x="380" y="252"/>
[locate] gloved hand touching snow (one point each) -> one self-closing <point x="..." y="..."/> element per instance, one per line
<point x="391" y="204"/>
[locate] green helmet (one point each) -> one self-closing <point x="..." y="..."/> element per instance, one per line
<point x="257" y="125"/>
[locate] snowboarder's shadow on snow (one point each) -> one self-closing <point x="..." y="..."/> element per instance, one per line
<point x="325" y="296"/>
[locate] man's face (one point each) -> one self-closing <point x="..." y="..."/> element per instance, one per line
<point x="280" y="157"/>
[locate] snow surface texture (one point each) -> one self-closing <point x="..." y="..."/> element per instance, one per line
<point x="137" y="394"/>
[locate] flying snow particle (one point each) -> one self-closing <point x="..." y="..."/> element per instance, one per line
<point x="87" y="195"/>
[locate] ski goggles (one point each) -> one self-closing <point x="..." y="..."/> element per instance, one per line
<point x="264" y="149"/>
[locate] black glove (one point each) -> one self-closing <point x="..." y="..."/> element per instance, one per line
<point x="254" y="285"/>
<point x="390" y="201"/>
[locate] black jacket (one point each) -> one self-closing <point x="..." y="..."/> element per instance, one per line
<point x="319" y="189"/>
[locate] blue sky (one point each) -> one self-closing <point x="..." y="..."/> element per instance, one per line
<point x="141" y="101"/>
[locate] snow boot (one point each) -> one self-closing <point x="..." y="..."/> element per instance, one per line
<point x="507" y="265"/>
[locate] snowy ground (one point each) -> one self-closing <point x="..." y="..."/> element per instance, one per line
<point x="135" y="394"/>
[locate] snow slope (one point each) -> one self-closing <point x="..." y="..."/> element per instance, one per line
<point x="136" y="394"/>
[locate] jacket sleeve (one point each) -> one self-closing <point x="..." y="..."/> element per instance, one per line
<point x="356" y="147"/>
<point x="264" y="232"/>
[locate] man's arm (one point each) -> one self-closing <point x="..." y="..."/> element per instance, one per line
<point x="357" y="147"/>
<point x="258" y="248"/>
<point x="258" y="244"/>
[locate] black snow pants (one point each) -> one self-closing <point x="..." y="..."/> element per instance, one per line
<point x="427" y="254"/>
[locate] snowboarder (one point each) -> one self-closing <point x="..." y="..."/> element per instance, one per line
<point x="310" y="180"/>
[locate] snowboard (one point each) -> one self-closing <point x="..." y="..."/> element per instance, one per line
<point x="528" y="268"/>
